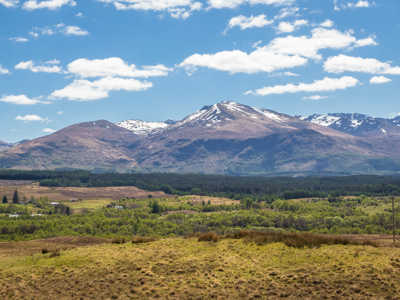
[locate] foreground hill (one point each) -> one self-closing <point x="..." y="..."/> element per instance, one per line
<point x="225" y="138"/>
<point x="187" y="269"/>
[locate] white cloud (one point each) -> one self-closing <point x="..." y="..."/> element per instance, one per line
<point x="315" y="97"/>
<point x="19" y="39"/>
<point x="236" y="3"/>
<point x="60" y="113"/>
<point x="21" y="100"/>
<point x="342" y="5"/>
<point x="114" y="66"/>
<point x="287" y="12"/>
<point x="68" y="30"/>
<point x="344" y="63"/>
<point x="4" y="71"/>
<point x="180" y="9"/>
<point x="48" y="67"/>
<point x="47" y="4"/>
<point x="321" y="38"/>
<point x="84" y="90"/>
<point x="48" y="130"/>
<point x="75" y="30"/>
<point x="236" y="61"/>
<point x="327" y="24"/>
<point x="9" y="3"/>
<point x="286" y="27"/>
<point x="325" y="85"/>
<point x="379" y="80"/>
<point x="249" y="22"/>
<point x="31" y="118"/>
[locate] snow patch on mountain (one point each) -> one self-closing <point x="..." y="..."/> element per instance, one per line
<point x="141" y="127"/>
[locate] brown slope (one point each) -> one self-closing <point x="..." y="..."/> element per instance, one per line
<point x="230" y="137"/>
<point x="90" y="145"/>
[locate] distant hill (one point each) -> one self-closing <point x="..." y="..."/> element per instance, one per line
<point x="224" y="138"/>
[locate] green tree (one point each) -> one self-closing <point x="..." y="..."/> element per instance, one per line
<point x="5" y="200"/>
<point x="155" y="207"/>
<point x="15" y="197"/>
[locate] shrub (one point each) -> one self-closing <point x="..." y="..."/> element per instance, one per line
<point x="142" y="239"/>
<point x="119" y="240"/>
<point x="208" y="237"/>
<point x="296" y="240"/>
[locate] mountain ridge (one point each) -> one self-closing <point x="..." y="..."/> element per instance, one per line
<point x="224" y="138"/>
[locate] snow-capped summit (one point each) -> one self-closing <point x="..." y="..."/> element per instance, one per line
<point x="224" y="111"/>
<point x="143" y="128"/>
<point x="356" y="124"/>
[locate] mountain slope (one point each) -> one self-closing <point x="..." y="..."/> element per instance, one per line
<point x="91" y="145"/>
<point x="224" y="138"/>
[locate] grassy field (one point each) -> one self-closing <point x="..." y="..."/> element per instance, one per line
<point x="178" y="268"/>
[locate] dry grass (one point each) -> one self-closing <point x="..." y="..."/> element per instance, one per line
<point x="29" y="190"/>
<point x="186" y="269"/>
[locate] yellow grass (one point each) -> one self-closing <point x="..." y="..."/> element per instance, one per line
<point x="179" y="268"/>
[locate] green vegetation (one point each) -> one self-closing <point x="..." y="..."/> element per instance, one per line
<point x="180" y="216"/>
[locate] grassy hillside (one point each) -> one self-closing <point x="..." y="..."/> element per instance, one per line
<point x="178" y="268"/>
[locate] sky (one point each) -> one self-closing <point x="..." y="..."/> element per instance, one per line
<point x="68" y="61"/>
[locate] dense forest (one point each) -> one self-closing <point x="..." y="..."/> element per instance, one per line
<point x="217" y="185"/>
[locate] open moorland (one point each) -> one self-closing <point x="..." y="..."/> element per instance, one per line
<point x="178" y="268"/>
<point x="68" y="237"/>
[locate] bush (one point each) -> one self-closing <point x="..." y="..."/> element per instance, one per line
<point x="119" y="240"/>
<point x="296" y="240"/>
<point x="142" y="239"/>
<point x="208" y="237"/>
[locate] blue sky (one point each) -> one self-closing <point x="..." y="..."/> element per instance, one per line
<point x="68" y="61"/>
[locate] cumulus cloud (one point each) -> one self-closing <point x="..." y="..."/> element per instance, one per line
<point x="9" y="3"/>
<point x="21" y="100"/>
<point x="344" y="63"/>
<point x="68" y="30"/>
<point x="48" y="130"/>
<point x="286" y="27"/>
<point x="47" y="4"/>
<point x="181" y="9"/>
<point x="85" y="90"/>
<point x="236" y="3"/>
<point x="31" y="118"/>
<point x="379" y="80"/>
<point x="4" y="71"/>
<point x="325" y="85"/>
<point x="114" y="66"/>
<point x="48" y="67"/>
<point x="19" y="39"/>
<point x="321" y="38"/>
<point x="244" y="22"/>
<point x="315" y="97"/>
<point x="236" y="61"/>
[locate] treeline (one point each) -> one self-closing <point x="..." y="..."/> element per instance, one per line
<point x="218" y="185"/>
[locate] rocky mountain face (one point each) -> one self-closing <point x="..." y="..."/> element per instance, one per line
<point x="224" y="138"/>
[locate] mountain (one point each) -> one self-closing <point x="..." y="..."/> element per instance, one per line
<point x="4" y="146"/>
<point x="90" y="145"/>
<point x="357" y="124"/>
<point x="224" y="138"/>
